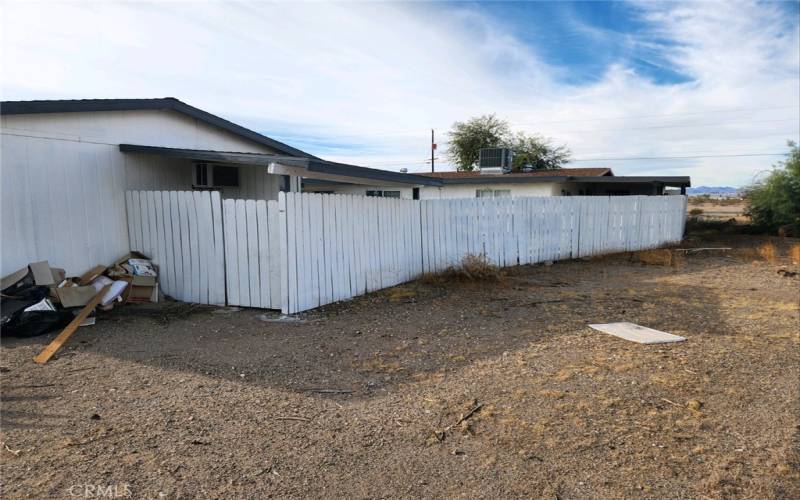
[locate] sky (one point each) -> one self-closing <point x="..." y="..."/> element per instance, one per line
<point x="635" y="86"/>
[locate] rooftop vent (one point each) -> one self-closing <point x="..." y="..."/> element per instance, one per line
<point x="495" y="160"/>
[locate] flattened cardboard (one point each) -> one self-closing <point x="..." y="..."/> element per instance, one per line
<point x="42" y="275"/>
<point x="75" y="296"/>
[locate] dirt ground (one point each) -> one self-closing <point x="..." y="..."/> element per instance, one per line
<point x="720" y="209"/>
<point x="374" y="397"/>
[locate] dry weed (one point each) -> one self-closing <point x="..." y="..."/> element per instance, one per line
<point x="473" y="268"/>
<point x="768" y="252"/>
<point x="660" y="257"/>
<point x="794" y="254"/>
<point x="400" y="294"/>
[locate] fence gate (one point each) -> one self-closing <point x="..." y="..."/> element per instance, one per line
<point x="181" y="231"/>
<point x="252" y="248"/>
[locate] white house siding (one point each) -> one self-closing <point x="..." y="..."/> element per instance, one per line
<point x="63" y="180"/>
<point x="444" y="192"/>
<point x="468" y="190"/>
<point x="357" y="189"/>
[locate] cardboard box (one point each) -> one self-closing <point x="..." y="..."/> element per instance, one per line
<point x="141" y="288"/>
<point x="142" y="293"/>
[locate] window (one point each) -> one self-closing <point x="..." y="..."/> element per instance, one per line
<point x="226" y="176"/>
<point x="201" y="174"/>
<point x="206" y="175"/>
<point x="384" y="194"/>
<point x="490" y="193"/>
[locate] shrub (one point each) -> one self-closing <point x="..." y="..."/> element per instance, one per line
<point x="695" y="212"/>
<point x="775" y="201"/>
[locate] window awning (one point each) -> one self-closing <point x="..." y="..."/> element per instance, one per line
<point x="311" y="168"/>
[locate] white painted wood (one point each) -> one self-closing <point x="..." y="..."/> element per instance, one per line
<point x="637" y="333"/>
<point x="241" y="257"/>
<point x="262" y="250"/>
<point x="253" y="264"/>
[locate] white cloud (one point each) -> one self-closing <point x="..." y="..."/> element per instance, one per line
<point x="370" y="80"/>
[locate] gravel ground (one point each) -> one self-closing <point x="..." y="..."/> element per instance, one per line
<point x="429" y="390"/>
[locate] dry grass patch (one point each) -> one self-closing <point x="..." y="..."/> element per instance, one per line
<point x="768" y="252"/>
<point x="473" y="268"/>
<point x="659" y="257"/>
<point x="794" y="254"/>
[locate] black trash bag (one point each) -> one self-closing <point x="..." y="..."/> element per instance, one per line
<point x="12" y="304"/>
<point x="33" y="323"/>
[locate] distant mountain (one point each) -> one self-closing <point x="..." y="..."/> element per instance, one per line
<point x="712" y="190"/>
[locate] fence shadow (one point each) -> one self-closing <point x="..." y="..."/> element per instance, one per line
<point x="375" y="343"/>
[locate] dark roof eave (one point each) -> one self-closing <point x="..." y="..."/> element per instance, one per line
<point x="164" y="103"/>
<point x="676" y="181"/>
<point x="329" y="167"/>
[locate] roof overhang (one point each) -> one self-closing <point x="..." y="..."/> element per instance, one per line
<point x="313" y="168"/>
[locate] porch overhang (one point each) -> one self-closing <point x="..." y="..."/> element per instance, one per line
<point x="312" y="168"/>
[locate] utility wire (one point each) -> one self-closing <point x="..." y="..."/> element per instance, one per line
<point x="678" y="157"/>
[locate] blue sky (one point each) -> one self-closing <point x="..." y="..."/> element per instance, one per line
<point x="365" y="82"/>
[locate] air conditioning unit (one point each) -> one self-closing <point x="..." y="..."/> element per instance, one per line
<point x="495" y="160"/>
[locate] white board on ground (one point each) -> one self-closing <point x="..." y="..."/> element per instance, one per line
<point x="637" y="333"/>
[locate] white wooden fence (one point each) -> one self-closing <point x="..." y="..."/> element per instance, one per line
<point x="307" y="250"/>
<point x="181" y="231"/>
<point x="252" y="253"/>
<point x="336" y="246"/>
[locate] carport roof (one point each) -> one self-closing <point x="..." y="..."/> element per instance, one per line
<point x="323" y="169"/>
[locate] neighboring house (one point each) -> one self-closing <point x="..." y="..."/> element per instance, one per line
<point x="561" y="182"/>
<point x="65" y="167"/>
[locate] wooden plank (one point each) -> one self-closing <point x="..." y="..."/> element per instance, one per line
<point x="151" y="215"/>
<point x="166" y="275"/>
<point x="186" y="252"/>
<point x="275" y="255"/>
<point x="205" y="244"/>
<point x="194" y="242"/>
<point x="160" y="255"/>
<point x="328" y="242"/>
<point x="177" y="251"/>
<point x="315" y="252"/>
<point x="67" y="332"/>
<point x="241" y="257"/>
<point x="231" y="252"/>
<point x="253" y="272"/>
<point x="216" y="281"/>
<point x="262" y="229"/>
<point x="89" y="276"/>
<point x="283" y="228"/>
<point x="134" y="230"/>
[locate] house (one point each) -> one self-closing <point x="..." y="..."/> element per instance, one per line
<point x="65" y="166"/>
<point x="561" y="182"/>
